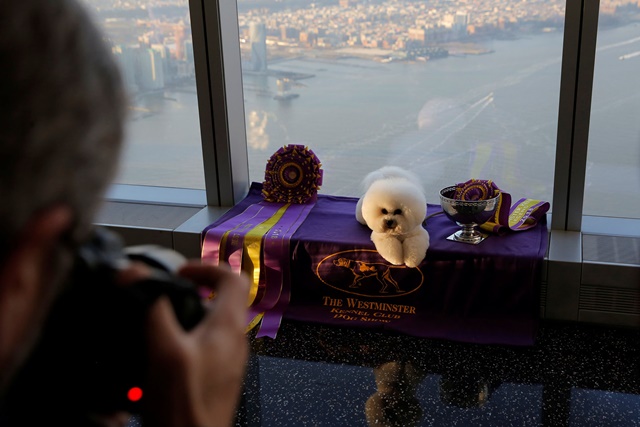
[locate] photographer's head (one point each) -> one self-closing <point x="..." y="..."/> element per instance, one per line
<point x="61" y="116"/>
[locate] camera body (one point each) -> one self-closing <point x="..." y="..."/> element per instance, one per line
<point x="92" y="350"/>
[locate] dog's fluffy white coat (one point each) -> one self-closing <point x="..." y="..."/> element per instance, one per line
<point x="393" y="207"/>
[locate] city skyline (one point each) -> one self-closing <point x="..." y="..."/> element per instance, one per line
<point x="157" y="51"/>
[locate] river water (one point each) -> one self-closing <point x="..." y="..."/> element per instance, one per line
<point x="491" y="116"/>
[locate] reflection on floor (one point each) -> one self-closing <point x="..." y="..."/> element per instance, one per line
<point x="312" y="375"/>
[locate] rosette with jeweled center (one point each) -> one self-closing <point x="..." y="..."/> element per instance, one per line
<point x="476" y="189"/>
<point x="293" y="175"/>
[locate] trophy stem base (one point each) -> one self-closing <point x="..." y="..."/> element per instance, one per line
<point x="466" y="235"/>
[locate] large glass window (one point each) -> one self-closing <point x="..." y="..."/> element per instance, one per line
<point x="612" y="183"/>
<point x="495" y="90"/>
<point x="151" y="40"/>
<point x="449" y="90"/>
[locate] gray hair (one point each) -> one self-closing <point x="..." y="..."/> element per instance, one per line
<point x="62" y="108"/>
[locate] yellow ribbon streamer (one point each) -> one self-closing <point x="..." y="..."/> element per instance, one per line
<point x="490" y="225"/>
<point x="520" y="211"/>
<point x="519" y="219"/>
<point x="253" y="245"/>
<point x="254" y="322"/>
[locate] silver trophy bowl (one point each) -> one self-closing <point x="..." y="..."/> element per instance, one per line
<point x="468" y="214"/>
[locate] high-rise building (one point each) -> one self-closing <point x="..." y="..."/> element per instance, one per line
<point x="258" y="37"/>
<point x="186" y="68"/>
<point x="166" y="60"/>
<point x="188" y="51"/>
<point x="461" y="21"/>
<point x="462" y="17"/>
<point x="179" y="33"/>
<point x="126" y="58"/>
<point x="151" y="71"/>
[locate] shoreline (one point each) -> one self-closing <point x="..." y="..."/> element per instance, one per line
<point x="455" y="49"/>
<point x="464" y="49"/>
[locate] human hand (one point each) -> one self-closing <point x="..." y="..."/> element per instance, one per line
<point x="195" y="377"/>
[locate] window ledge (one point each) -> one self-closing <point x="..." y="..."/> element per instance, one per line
<point x="592" y="276"/>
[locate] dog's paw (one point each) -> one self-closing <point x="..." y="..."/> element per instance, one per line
<point x="391" y="253"/>
<point x="413" y="261"/>
<point x="395" y="260"/>
<point x="415" y="248"/>
<point x="413" y="255"/>
<point x="392" y="256"/>
<point x="388" y="247"/>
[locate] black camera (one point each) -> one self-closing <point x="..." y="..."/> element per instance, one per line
<point x="91" y="356"/>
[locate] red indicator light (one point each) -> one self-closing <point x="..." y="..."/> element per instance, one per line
<point x="134" y="394"/>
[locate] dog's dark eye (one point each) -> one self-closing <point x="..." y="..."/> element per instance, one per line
<point x="384" y="212"/>
<point x="397" y="212"/>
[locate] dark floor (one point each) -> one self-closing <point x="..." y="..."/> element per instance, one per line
<point x="575" y="375"/>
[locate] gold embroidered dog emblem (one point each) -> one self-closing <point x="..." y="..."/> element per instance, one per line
<point x="363" y="270"/>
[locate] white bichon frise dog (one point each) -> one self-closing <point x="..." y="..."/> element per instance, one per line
<point x="394" y="207"/>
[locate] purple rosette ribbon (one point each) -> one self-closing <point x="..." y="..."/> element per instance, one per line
<point x="293" y="175"/>
<point x="476" y="189"/>
<point x="523" y="215"/>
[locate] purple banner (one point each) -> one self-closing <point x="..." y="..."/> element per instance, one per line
<point x="486" y="293"/>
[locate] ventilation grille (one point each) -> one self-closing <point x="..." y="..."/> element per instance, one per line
<point x="611" y="249"/>
<point x="613" y="300"/>
<point x="543" y="295"/>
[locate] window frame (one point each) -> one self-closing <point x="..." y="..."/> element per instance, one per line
<point x="222" y="122"/>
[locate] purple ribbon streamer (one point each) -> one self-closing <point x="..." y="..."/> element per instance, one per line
<point x="253" y="215"/>
<point x="235" y="240"/>
<point x="271" y="274"/>
<point x="273" y="254"/>
<point x="213" y="236"/>
<point x="276" y="260"/>
<point x="276" y="255"/>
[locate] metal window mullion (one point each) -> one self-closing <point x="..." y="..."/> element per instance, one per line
<point x="584" y="90"/>
<point x="564" y="263"/>
<point x="235" y="101"/>
<point x="205" y="108"/>
<point x="568" y="78"/>
<point x="227" y="104"/>
<point x="578" y="57"/>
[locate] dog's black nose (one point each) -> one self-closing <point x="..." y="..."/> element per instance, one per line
<point x="390" y="223"/>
